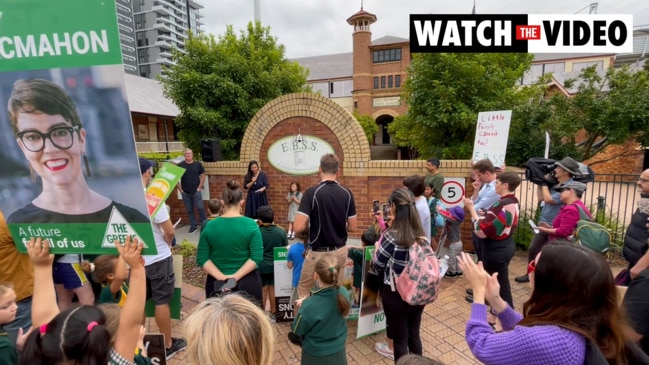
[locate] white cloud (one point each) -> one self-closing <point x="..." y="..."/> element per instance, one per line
<point x="316" y="27"/>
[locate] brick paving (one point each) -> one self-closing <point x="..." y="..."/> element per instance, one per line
<point x="442" y="327"/>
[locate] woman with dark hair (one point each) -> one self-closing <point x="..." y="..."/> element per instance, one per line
<point x="402" y="320"/>
<point x="231" y="247"/>
<point x="496" y="227"/>
<point x="574" y="304"/>
<point x="256" y="183"/>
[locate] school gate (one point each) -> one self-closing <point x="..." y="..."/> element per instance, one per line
<point x="316" y="117"/>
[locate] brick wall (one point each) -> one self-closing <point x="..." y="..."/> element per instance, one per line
<point x="317" y="116"/>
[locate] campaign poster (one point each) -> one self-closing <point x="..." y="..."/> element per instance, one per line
<point x="161" y="186"/>
<point x="283" y="285"/>
<point x="70" y="171"/>
<point x="371" y="318"/>
<point x="491" y="135"/>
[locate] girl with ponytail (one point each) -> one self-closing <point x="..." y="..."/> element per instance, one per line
<point x="320" y="322"/>
<point x="80" y="335"/>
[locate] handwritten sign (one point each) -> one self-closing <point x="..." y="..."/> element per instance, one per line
<point x="492" y="132"/>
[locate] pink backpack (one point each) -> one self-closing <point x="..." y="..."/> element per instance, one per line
<point x="419" y="281"/>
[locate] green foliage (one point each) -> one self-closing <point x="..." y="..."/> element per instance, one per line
<point x="219" y="85"/>
<point x="614" y="107"/>
<point x="187" y="249"/>
<point x="446" y="91"/>
<point x="368" y="124"/>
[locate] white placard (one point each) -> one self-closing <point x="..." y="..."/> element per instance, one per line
<point x="491" y="134"/>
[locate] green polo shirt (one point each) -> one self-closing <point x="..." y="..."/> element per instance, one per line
<point x="229" y="242"/>
<point x="8" y="352"/>
<point x="437" y="181"/>
<point x="319" y="322"/>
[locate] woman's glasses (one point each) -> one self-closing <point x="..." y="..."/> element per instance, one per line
<point x="61" y="137"/>
<point x="531" y="267"/>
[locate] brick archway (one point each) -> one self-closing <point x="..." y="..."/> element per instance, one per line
<point x="347" y="130"/>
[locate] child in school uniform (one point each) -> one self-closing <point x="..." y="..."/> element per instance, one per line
<point x="357" y="255"/>
<point x="272" y="236"/>
<point x="320" y="321"/>
<point x="111" y="272"/>
<point x="294" y="261"/>
<point x="8" y="310"/>
<point x="293" y="198"/>
<point x="214" y="207"/>
<point x="451" y="237"/>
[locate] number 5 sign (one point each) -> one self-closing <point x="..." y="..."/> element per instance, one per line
<point x="453" y="192"/>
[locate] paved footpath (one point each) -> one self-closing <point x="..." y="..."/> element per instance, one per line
<point x="442" y="327"/>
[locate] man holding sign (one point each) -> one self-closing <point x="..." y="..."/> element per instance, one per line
<point x="160" y="277"/>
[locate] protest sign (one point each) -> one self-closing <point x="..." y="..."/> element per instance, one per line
<point x="283" y="287"/>
<point x="155" y="348"/>
<point x="491" y="135"/>
<point x="161" y="187"/>
<point x="371" y="318"/>
<point x="70" y="170"/>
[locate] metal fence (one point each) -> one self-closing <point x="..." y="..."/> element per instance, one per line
<point x="611" y="199"/>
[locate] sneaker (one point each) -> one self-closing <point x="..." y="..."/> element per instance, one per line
<point x="469" y="291"/>
<point x="383" y="349"/>
<point x="522" y="279"/>
<point x="177" y="345"/>
<point x="469" y="299"/>
<point x="192" y="230"/>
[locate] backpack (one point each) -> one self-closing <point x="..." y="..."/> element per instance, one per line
<point x="436" y="219"/>
<point x="419" y="281"/>
<point x="591" y="234"/>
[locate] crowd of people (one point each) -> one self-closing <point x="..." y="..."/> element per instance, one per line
<point x="40" y="324"/>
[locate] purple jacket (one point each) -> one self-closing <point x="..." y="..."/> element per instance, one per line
<point x="542" y="344"/>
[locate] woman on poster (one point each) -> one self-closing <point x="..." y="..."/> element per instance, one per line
<point x="50" y="134"/>
<point x="256" y="183"/>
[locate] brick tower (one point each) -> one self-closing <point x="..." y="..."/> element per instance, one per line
<point x="362" y="39"/>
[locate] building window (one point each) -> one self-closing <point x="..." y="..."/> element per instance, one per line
<point x="376" y="82"/>
<point x="386" y="55"/>
<point x="356" y="105"/>
<point x="390" y="81"/>
<point x="331" y="88"/>
<point x="397" y="80"/>
<point x="382" y="82"/>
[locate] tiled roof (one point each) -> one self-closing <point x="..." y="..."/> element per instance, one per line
<point x="543" y="57"/>
<point x="389" y="39"/>
<point x="331" y="66"/>
<point x="145" y="96"/>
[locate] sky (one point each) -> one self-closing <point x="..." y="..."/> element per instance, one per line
<point x="319" y="27"/>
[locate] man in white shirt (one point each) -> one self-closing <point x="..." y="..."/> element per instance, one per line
<point x="159" y="268"/>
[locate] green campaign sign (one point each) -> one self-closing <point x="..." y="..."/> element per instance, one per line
<point x="161" y="187"/>
<point x="70" y="170"/>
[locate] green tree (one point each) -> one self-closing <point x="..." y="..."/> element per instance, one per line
<point x="368" y="124"/>
<point x="609" y="108"/>
<point x="446" y="91"/>
<point x="219" y="85"/>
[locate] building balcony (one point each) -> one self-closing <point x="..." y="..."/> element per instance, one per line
<point x="196" y="4"/>
<point x="158" y="146"/>
<point x="165" y="61"/>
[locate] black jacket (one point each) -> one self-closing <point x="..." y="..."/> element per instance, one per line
<point x="635" y="241"/>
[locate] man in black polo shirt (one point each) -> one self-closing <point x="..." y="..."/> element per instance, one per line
<point x="330" y="212"/>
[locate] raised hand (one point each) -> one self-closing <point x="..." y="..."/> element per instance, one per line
<point x="39" y="252"/>
<point x="131" y="252"/>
